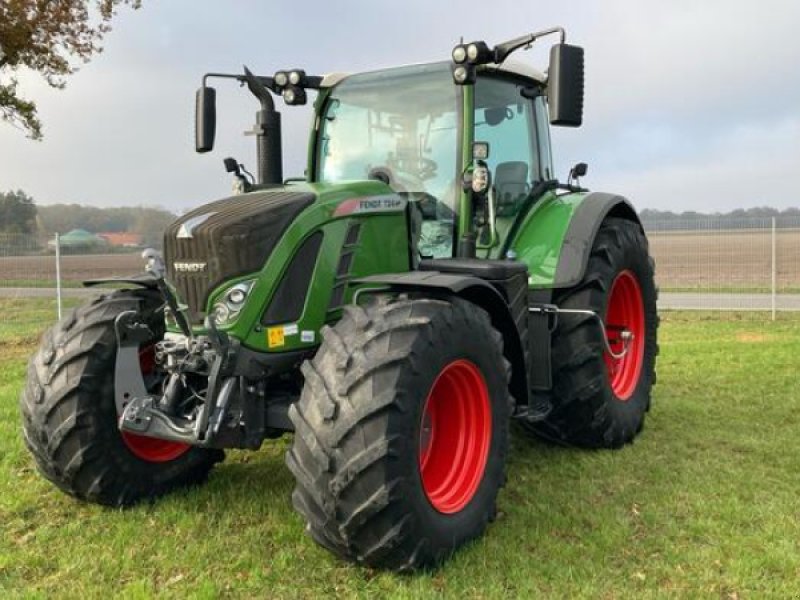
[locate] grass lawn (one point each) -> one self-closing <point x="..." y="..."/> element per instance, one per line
<point x="704" y="504"/>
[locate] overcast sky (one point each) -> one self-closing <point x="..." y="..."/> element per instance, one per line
<point x="690" y="104"/>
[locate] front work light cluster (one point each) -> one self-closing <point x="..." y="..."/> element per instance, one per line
<point x="291" y="85"/>
<point x="468" y="56"/>
<point x="228" y="306"/>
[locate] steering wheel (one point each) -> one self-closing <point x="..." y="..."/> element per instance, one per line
<point x="428" y="204"/>
<point x="427" y="168"/>
<point x="388" y="176"/>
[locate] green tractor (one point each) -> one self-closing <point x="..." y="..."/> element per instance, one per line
<point x="428" y="281"/>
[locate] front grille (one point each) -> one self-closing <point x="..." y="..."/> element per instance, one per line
<point x="233" y="237"/>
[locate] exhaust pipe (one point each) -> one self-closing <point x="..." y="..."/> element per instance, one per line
<point x="269" y="157"/>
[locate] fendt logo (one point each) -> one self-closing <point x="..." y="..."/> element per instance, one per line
<point x="189" y="267"/>
<point x="372" y="204"/>
<point x="186" y="230"/>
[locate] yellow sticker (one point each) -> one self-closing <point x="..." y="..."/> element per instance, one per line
<point x="275" y="337"/>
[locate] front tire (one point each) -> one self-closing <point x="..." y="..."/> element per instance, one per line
<point x="69" y="417"/>
<point x="401" y="432"/>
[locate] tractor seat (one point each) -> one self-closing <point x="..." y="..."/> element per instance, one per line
<point x="511" y="187"/>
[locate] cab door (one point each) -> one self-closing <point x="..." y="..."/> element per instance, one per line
<point x="515" y="127"/>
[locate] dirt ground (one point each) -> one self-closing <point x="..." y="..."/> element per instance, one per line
<point x="720" y="260"/>
<point x="726" y="259"/>
<point x="73" y="267"/>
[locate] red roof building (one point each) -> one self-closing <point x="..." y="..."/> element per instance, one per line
<point x="124" y="239"/>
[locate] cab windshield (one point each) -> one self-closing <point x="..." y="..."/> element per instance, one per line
<point x="399" y="126"/>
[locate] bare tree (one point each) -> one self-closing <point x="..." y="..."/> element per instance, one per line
<point x="49" y="37"/>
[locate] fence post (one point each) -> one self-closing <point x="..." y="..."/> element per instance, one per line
<point x="58" y="274"/>
<point x="774" y="270"/>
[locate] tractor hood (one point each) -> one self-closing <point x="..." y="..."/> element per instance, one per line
<point x="225" y="239"/>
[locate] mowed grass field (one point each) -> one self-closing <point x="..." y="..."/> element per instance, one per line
<point x="703" y="505"/>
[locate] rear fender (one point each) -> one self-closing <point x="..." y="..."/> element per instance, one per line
<point x="557" y="235"/>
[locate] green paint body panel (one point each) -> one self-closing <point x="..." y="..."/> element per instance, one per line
<point x="382" y="248"/>
<point x="540" y="237"/>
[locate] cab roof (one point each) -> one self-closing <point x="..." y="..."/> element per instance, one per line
<point x="510" y="66"/>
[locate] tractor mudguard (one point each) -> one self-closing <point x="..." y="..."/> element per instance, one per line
<point x="505" y="302"/>
<point x="556" y="236"/>
<point x="143" y="280"/>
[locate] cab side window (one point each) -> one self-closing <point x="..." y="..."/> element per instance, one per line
<point x="506" y="119"/>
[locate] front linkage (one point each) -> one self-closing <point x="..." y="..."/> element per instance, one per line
<point x="211" y="395"/>
<point x="210" y="360"/>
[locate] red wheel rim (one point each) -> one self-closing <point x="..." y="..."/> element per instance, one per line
<point x="147" y="448"/>
<point x="455" y="435"/>
<point x="625" y="313"/>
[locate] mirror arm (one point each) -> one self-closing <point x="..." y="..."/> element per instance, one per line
<point x="501" y="51"/>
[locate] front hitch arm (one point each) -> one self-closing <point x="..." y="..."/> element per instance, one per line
<point x="128" y="379"/>
<point x="141" y="412"/>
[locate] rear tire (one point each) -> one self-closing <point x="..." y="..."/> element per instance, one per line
<point x="69" y="416"/>
<point x="401" y="432"/>
<point x="597" y="401"/>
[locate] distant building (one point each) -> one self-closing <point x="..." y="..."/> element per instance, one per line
<point x="122" y="239"/>
<point x="79" y="239"/>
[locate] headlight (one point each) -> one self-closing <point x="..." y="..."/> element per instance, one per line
<point x="480" y="178"/>
<point x="281" y="78"/>
<point x="228" y="305"/>
<point x="237" y="296"/>
<point x="459" y="54"/>
<point x="222" y="314"/>
<point x="460" y="74"/>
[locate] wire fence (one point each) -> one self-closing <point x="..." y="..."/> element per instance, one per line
<point x="41" y="276"/>
<point x="722" y="266"/>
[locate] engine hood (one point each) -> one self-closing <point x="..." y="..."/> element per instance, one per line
<point x="226" y="239"/>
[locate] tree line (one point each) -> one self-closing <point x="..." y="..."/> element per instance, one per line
<point x="740" y="218"/>
<point x="19" y="214"/>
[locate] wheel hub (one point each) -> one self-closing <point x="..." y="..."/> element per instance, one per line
<point x="455" y="435"/>
<point x="625" y="329"/>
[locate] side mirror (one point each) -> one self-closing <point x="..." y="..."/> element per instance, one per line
<point x="565" y="85"/>
<point x="231" y="166"/>
<point x="579" y="170"/>
<point x="205" y="119"/>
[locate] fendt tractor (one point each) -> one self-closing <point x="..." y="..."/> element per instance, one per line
<point x="426" y="283"/>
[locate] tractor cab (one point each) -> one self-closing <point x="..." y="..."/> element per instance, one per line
<point x="405" y="126"/>
<point x="425" y="130"/>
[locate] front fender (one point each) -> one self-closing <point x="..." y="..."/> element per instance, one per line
<point x="481" y="293"/>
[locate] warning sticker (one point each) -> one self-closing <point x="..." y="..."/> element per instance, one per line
<point x="276" y="337"/>
<point x="290" y="329"/>
<point x="307" y="337"/>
